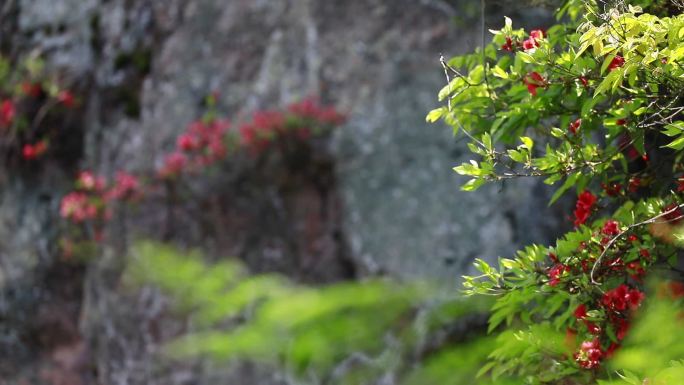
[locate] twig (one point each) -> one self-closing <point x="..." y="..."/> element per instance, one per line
<point x="615" y="238"/>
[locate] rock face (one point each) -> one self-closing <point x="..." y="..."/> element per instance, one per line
<point x="380" y="198"/>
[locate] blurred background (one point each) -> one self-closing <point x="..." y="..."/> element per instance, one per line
<point x="350" y="215"/>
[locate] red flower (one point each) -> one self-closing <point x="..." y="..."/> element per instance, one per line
<point x="621" y="297"/>
<point x="592" y="327"/>
<point x="574" y="126"/>
<point x="584" y="81"/>
<point x="33" y="90"/>
<point x="173" y="165"/>
<point x="676" y="289"/>
<point x="553" y="258"/>
<point x="611" y="227"/>
<point x="617" y="62"/>
<point x="635" y="270"/>
<point x="88" y="181"/>
<point x="612" y="189"/>
<point x="581" y="311"/>
<point x="77" y="207"/>
<point x="533" y="80"/>
<point x="126" y="186"/>
<point x="556" y="272"/>
<point x="34" y="151"/>
<point x="632" y="238"/>
<point x="537" y="34"/>
<point x="530" y="44"/>
<point x="7" y="112"/>
<point x="621" y="328"/>
<point x="634" y="184"/>
<point x="634" y="298"/>
<point x="616" y="299"/>
<point x="589" y="354"/>
<point x="583" y="207"/>
<point x="508" y="46"/>
<point x="621" y="122"/>
<point x="67" y="98"/>
<point x="187" y="142"/>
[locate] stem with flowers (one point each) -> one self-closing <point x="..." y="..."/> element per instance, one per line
<point x="593" y="103"/>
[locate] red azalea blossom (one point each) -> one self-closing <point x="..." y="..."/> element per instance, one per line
<point x="553" y="258"/>
<point x="34" y="151"/>
<point x="611" y="227"/>
<point x="187" y="142"/>
<point x="77" y="207"/>
<point x="173" y="165"/>
<point x="530" y="44"/>
<point x="7" y="112"/>
<point x="589" y="354"/>
<point x="612" y="189"/>
<point x="33" y="90"/>
<point x="88" y="181"/>
<point x="66" y="98"/>
<point x="533" y="81"/>
<point x="634" y="184"/>
<point x="621" y="328"/>
<point x="310" y="108"/>
<point x="556" y="272"/>
<point x="537" y="34"/>
<point x="574" y="126"/>
<point x="508" y="46"/>
<point x="617" y="62"/>
<point x="583" y="207"/>
<point x="636" y="271"/>
<point x="126" y="186"/>
<point x="675" y="289"/>
<point x="621" y="297"/>
<point x="592" y="328"/>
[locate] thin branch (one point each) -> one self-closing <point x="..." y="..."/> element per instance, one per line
<point x="615" y="238"/>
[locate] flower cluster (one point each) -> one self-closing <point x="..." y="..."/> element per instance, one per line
<point x="206" y="142"/>
<point x="583" y="207"/>
<point x="533" y="41"/>
<point x="612" y="253"/>
<point x="34" y="151"/>
<point x="92" y="197"/>
<point x="201" y="145"/>
<point x="512" y="44"/>
<point x="301" y="120"/>
<point x="534" y="80"/>
<point x="613" y="310"/>
<point x="21" y="94"/>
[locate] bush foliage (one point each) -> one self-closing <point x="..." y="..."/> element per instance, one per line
<point x="591" y="105"/>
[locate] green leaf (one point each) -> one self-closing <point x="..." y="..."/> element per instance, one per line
<point x="569" y="182"/>
<point x="527" y="142"/>
<point x="676" y="144"/>
<point x="435" y="114"/>
<point x="499" y="73"/>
